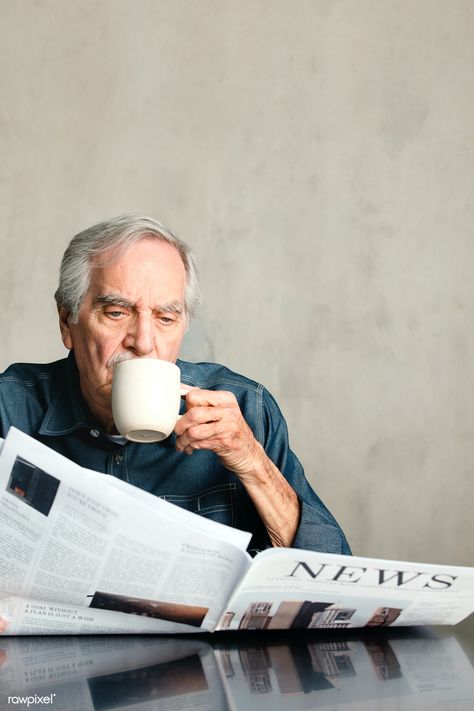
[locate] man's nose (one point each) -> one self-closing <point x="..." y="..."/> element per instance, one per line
<point x="139" y="336"/>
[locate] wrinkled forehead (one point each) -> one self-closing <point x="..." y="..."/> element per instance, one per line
<point x="146" y="266"/>
<point x="128" y="248"/>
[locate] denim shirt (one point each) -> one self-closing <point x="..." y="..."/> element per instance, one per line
<point x="45" y="401"/>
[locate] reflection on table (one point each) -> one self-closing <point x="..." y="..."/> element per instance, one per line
<point x="410" y="669"/>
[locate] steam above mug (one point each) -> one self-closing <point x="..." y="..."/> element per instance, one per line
<point x="145" y="398"/>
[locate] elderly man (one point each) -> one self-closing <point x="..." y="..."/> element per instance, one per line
<point x="128" y="289"/>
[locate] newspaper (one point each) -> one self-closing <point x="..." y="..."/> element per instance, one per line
<point x="80" y="554"/>
<point x="294" y="589"/>
<point x="84" y="553"/>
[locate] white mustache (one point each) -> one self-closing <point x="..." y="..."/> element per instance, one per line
<point x="112" y="362"/>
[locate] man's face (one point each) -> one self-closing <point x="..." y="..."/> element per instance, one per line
<point x="134" y="308"/>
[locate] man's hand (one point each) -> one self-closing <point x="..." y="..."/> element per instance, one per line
<point x="214" y="421"/>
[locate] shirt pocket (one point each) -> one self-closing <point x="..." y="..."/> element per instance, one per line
<point x="216" y="503"/>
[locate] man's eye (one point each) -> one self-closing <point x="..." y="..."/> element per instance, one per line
<point x="166" y="320"/>
<point x="115" y="314"/>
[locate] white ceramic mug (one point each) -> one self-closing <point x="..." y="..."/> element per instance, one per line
<point x="145" y="398"/>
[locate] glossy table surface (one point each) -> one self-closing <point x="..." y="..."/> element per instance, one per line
<point x="398" y="668"/>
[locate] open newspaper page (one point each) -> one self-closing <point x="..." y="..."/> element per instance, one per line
<point x="294" y="589"/>
<point x="80" y="554"/>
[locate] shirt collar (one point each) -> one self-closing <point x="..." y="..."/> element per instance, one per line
<point x="67" y="410"/>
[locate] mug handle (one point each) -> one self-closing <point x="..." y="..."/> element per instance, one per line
<point x="183" y="391"/>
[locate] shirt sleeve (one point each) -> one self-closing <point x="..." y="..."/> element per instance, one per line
<point x="318" y="530"/>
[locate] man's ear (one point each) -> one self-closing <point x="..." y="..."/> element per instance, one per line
<point x="64" y="325"/>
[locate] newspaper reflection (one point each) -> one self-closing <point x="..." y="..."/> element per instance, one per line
<point x="109" y="672"/>
<point x="415" y="671"/>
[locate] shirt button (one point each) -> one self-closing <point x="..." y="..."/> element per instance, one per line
<point x="95" y="433"/>
<point x="118" y="458"/>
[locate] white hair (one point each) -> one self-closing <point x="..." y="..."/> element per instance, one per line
<point x="117" y="234"/>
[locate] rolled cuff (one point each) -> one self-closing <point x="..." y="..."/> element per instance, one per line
<point x="317" y="533"/>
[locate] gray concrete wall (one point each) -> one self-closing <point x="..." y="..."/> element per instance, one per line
<point x="318" y="155"/>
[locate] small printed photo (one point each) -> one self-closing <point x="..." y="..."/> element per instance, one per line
<point x="183" y="614"/>
<point x="384" y="616"/>
<point x="32" y="485"/>
<point x="295" y="614"/>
